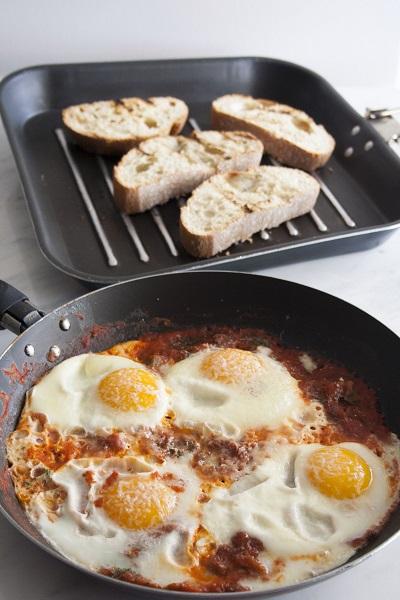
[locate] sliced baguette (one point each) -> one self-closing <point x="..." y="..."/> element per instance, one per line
<point x="230" y="208"/>
<point x="167" y="167"/>
<point x="288" y="135"/>
<point x="116" y="126"/>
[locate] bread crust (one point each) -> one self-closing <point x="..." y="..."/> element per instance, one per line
<point x="132" y="200"/>
<point x="91" y="142"/>
<point x="97" y="145"/>
<point x="208" y="245"/>
<point x="281" y="149"/>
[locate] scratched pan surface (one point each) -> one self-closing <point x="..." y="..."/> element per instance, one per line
<point x="366" y="183"/>
<point x="301" y="316"/>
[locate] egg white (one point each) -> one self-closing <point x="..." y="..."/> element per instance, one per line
<point x="279" y="505"/>
<point x="269" y="400"/>
<point x="68" y="396"/>
<point x="86" y="535"/>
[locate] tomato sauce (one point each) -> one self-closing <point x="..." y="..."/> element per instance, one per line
<point x="349" y="403"/>
<point x="55" y="450"/>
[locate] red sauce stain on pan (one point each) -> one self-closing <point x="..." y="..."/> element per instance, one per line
<point x="16" y="375"/>
<point x="5" y="402"/>
<point x="99" y="331"/>
<point x="5" y="484"/>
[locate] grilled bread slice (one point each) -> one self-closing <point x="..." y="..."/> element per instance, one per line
<point x="229" y="208"/>
<point x="116" y="126"/>
<point x="167" y="167"/>
<point x="288" y="135"/>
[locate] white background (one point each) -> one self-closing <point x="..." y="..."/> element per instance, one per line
<point x="350" y="42"/>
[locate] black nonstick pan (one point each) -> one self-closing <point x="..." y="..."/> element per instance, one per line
<point x="300" y="316"/>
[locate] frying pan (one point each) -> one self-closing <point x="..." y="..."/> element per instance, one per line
<point x="301" y="317"/>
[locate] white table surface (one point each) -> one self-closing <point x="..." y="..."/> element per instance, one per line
<point x="369" y="279"/>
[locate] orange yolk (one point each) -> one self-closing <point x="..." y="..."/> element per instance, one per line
<point x="339" y="473"/>
<point x="129" y="390"/>
<point x="138" y="502"/>
<point x="231" y="365"/>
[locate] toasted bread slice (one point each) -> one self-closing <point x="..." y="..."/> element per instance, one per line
<point x="167" y="167"/>
<point x="288" y="135"/>
<point x="229" y="208"/>
<point x="116" y="126"/>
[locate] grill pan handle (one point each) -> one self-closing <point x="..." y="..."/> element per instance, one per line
<point x="16" y="312"/>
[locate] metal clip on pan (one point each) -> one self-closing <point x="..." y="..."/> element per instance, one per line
<point x="380" y="113"/>
<point x="388" y="127"/>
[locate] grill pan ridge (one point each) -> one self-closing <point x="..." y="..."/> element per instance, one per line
<point x="68" y="191"/>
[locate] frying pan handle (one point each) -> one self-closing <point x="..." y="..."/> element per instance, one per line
<point x="16" y="312"/>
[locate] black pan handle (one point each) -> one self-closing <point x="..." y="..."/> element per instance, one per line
<point x="16" y="312"/>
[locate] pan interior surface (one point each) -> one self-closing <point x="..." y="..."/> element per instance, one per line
<point x="299" y="316"/>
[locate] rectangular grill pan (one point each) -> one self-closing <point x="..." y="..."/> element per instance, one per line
<point x="68" y="191"/>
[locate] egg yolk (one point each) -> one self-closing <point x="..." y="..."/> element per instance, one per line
<point x="231" y="365"/>
<point x="138" y="502"/>
<point x="129" y="390"/>
<point x="339" y="473"/>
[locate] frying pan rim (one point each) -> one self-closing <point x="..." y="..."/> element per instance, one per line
<point x="147" y="591"/>
<point x="189" y="272"/>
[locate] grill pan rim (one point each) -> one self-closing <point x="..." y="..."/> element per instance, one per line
<point x="107" y="276"/>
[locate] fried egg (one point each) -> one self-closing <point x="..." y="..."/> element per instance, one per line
<point x="230" y="391"/>
<point x="304" y="501"/>
<point x="96" y="391"/>
<point x="122" y="513"/>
